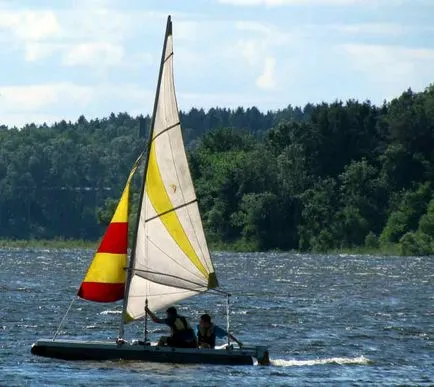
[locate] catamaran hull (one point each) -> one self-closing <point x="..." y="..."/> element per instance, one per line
<point x="80" y="350"/>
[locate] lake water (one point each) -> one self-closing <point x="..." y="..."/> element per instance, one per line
<point x="328" y="320"/>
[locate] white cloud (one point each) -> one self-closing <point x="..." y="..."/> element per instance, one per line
<point x="229" y="100"/>
<point x="212" y="52"/>
<point x="253" y="26"/>
<point x="267" y="80"/>
<point x="30" y="25"/>
<point x="18" y="120"/>
<point x="364" y="29"/>
<point x="271" y="35"/>
<point x="89" y="33"/>
<point x="30" y="98"/>
<point x="251" y="50"/>
<point x="21" y="104"/>
<point x="187" y="30"/>
<point x="35" y="51"/>
<point x="392" y="68"/>
<point x="275" y="3"/>
<point x="94" y="54"/>
<point x="32" y="30"/>
<point x="256" y="48"/>
<point x="393" y="59"/>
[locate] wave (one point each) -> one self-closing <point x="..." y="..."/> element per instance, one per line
<point x="331" y="360"/>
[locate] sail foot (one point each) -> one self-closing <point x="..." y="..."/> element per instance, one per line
<point x="101" y="292"/>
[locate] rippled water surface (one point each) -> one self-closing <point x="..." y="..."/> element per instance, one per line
<point x="339" y="320"/>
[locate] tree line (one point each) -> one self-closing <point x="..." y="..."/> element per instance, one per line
<point x="326" y="176"/>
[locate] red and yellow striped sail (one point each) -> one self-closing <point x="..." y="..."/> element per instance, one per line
<point x="105" y="278"/>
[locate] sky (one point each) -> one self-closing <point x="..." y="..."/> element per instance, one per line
<point x="61" y="59"/>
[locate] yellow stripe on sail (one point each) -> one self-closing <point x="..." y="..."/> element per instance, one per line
<point x="161" y="202"/>
<point x="121" y="213"/>
<point x="108" y="268"/>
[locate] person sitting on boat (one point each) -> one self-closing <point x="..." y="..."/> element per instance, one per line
<point x="182" y="334"/>
<point x="207" y="332"/>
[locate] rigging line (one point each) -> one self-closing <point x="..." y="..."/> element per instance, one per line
<point x="166" y="130"/>
<point x="138" y="160"/>
<point x="171" y="210"/>
<point x="64" y="317"/>
<point x="173" y="260"/>
<point x="166" y="275"/>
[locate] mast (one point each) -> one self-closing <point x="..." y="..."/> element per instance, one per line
<point x="142" y="190"/>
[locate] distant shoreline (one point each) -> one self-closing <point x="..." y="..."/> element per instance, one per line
<point x="49" y="243"/>
<point x="60" y="243"/>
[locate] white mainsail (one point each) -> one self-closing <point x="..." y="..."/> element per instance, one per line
<point x="170" y="259"/>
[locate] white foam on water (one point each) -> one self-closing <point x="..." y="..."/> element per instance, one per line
<point x="331" y="360"/>
<point x="111" y="312"/>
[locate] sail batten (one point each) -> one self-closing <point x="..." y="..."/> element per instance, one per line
<point x="171" y="260"/>
<point x="172" y="209"/>
<point x="165" y="130"/>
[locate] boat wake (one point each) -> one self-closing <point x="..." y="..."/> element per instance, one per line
<point x="331" y="360"/>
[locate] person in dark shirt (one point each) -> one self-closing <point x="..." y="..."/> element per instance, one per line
<point x="182" y="335"/>
<point x="207" y="333"/>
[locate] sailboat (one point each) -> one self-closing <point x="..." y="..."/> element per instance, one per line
<point x="169" y="259"/>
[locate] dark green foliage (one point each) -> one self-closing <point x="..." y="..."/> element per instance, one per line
<point x="54" y="178"/>
<point x="421" y="242"/>
<point x="426" y="223"/>
<point x="406" y="217"/>
<point x="371" y="241"/>
<point x="65" y="179"/>
<point x="328" y="176"/>
<point x="362" y="197"/>
<point x="415" y="243"/>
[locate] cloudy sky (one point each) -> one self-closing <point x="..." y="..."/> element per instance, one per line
<point x="61" y="59"/>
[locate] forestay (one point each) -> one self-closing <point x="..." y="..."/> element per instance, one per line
<point x="170" y="260"/>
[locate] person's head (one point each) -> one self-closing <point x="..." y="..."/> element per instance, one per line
<point x="171" y="312"/>
<point x="205" y="320"/>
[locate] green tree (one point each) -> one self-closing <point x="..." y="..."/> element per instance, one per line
<point x="406" y="217"/>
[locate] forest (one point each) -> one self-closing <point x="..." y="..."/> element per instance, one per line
<point x="330" y="176"/>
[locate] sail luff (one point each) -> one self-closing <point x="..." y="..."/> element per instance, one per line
<point x="142" y="189"/>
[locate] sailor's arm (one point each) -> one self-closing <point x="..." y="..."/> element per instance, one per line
<point x="153" y="317"/>
<point x="221" y="333"/>
<point x="232" y="337"/>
